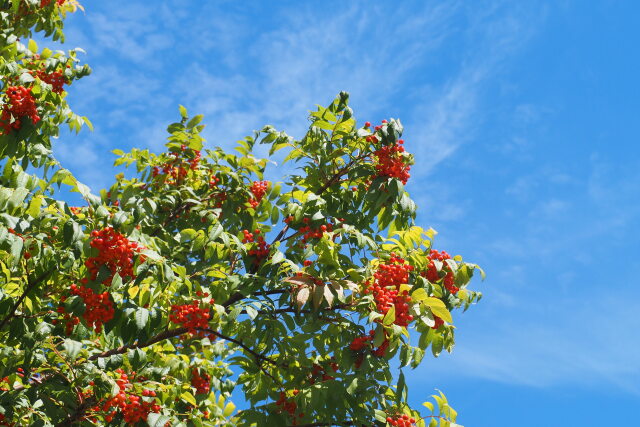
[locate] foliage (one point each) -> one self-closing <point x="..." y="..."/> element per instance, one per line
<point x="195" y="275"/>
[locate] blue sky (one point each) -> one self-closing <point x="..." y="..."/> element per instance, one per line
<point x="523" y="120"/>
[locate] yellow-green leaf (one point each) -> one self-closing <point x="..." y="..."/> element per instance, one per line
<point x="228" y="409"/>
<point x="33" y="46"/>
<point x="438" y="308"/>
<point x="133" y="291"/>
<point x="390" y="317"/>
<point x="419" y="295"/>
<point x="189" y="398"/>
<point x="34" y="206"/>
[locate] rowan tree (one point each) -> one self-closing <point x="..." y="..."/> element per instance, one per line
<point x="204" y="275"/>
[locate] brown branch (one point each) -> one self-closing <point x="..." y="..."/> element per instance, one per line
<point x="247" y="349"/>
<point x="172" y="333"/>
<point x="336" y="177"/>
<point x="28" y="289"/>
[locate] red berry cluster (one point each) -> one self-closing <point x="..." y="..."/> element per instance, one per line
<point x="44" y="3"/>
<point x="176" y="168"/>
<point x="365" y="342"/>
<point x="439" y="322"/>
<point x="261" y="249"/>
<point x="319" y="373"/>
<point x="20" y="104"/>
<point x="314" y="233"/>
<point x="258" y="189"/>
<point x="391" y="162"/>
<point x="99" y="308"/>
<point x="401" y="421"/>
<point x="433" y="275"/>
<point x="4" y="380"/>
<point x="359" y="343"/>
<point x="309" y="232"/>
<point x="115" y="252"/>
<point x="4" y="422"/>
<point x="220" y="198"/>
<point x="214" y="181"/>
<point x="386" y="287"/>
<point x="192" y="316"/>
<point x="289" y="406"/>
<point x="201" y="383"/>
<point x="133" y="407"/>
<point x="69" y="321"/>
<point x="56" y="79"/>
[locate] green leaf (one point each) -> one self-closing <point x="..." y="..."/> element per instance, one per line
<point x="16" y="248"/>
<point x="26" y="78"/>
<point x="438" y="308"/>
<point x="71" y="232"/>
<point x="353" y="386"/>
<point x="215" y="231"/>
<point x="228" y="409"/>
<point x="72" y="348"/>
<point x="74" y="305"/>
<point x="380" y="416"/>
<point x="277" y="257"/>
<point x="183" y="112"/>
<point x="195" y="121"/>
<point x="88" y="123"/>
<point x="251" y="312"/>
<point x="35" y="205"/>
<point x="33" y="46"/>
<point x="137" y="357"/>
<point x="390" y="317"/>
<point x="17" y="198"/>
<point x="189" y="398"/>
<point x="157" y="420"/>
<point x="142" y="318"/>
<point x="419" y="295"/>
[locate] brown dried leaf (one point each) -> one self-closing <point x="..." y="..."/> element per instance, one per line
<point x="351" y="285"/>
<point x="301" y="297"/>
<point x="318" y="293"/>
<point x="300" y="280"/>
<point x="328" y="295"/>
<point x="338" y="288"/>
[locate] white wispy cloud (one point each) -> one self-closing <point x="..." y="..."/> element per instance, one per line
<point x="275" y="76"/>
<point x="543" y="351"/>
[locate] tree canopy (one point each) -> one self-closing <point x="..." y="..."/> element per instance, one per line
<point x="300" y="290"/>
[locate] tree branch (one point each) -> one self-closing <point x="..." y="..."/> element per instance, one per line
<point x="172" y="333"/>
<point x="339" y="174"/>
<point x="247" y="349"/>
